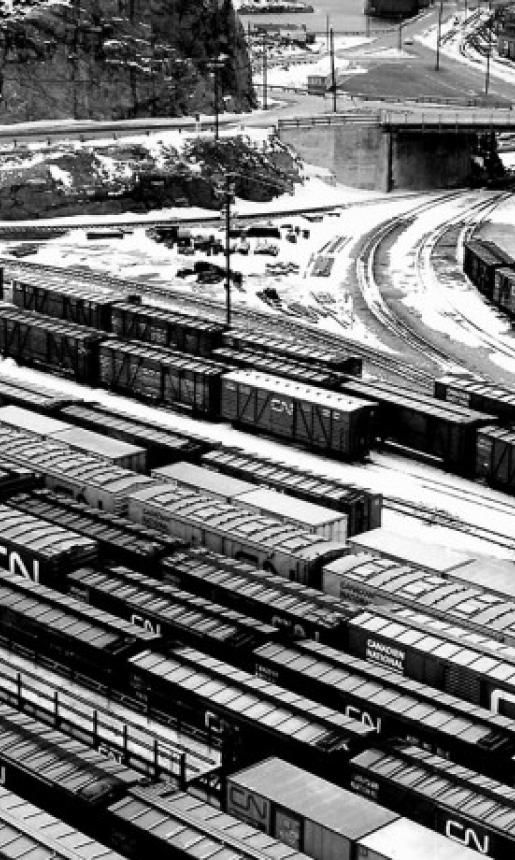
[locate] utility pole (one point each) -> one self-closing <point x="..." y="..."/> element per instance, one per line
<point x="438" y="36"/>
<point x="228" y="199"/>
<point x="333" y="72"/>
<point x="327" y="31"/>
<point x="265" y="74"/>
<point x="399" y="41"/>
<point x="488" y="55"/>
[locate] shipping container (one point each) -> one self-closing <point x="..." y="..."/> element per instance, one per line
<point x="162" y="444"/>
<point x="33" y="548"/>
<point x="495" y="457"/>
<point x="362" y="507"/>
<point x="422" y="423"/>
<point x="384" y="543"/>
<point x="279" y="547"/>
<point x="112" y="451"/>
<point x="481" y="260"/>
<point x="166" y="328"/>
<point x="331" y="422"/>
<point x="63" y="348"/>
<point x="478" y="394"/>
<point x="303" y="811"/>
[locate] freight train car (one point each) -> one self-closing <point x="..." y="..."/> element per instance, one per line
<point x="162" y="376"/>
<point x="119" y="541"/>
<point x="277" y="366"/>
<point x="481" y="260"/>
<point x="166" y="328"/>
<point x="162" y="444"/>
<point x="478" y="394"/>
<point x="176" y="615"/>
<point x="362" y="507"/>
<point x="33" y="548"/>
<point x="504" y="290"/>
<point x="262" y="541"/>
<point x="421" y="423"/>
<point x="391" y="705"/>
<point x="331" y="422"/>
<point x="495" y="457"/>
<point x="29" y="396"/>
<point x="294" y="347"/>
<point x="15" y="478"/>
<point x="253" y="717"/>
<point x="327" y="822"/>
<point x="62" y="348"/>
<point x="457" y="802"/>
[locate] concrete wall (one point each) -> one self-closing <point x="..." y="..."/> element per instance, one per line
<point x="363" y="155"/>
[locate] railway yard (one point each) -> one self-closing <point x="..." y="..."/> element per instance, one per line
<point x="257" y="593"/>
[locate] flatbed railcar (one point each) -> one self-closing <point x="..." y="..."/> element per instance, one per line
<point x="163" y="445"/>
<point x="74" y="474"/>
<point x="26" y="831"/>
<point x="51" y="625"/>
<point x="119" y="540"/>
<point x="161" y="376"/>
<point x="362" y="507"/>
<point x="63" y="348"/>
<point x="165" y="328"/>
<point x="262" y="541"/>
<point x="253" y="717"/>
<point x="175" y="614"/>
<point x="451" y="597"/>
<point x="481" y="260"/>
<point x="455" y="801"/>
<point x="295" y="609"/>
<point x="422" y="423"/>
<point x="393" y="706"/>
<point x="294" y="347"/>
<point x="478" y="394"/>
<point x="33" y="548"/>
<point x="333" y="422"/>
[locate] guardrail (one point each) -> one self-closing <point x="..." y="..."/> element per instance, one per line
<point x="329" y="119"/>
<point x="449" y="119"/>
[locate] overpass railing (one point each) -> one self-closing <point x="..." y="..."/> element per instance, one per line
<point x="449" y="119"/>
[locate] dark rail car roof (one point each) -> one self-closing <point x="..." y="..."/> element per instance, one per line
<point x="54" y="326"/>
<point x="50" y="542"/>
<point x="171" y="358"/>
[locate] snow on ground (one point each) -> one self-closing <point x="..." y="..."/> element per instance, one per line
<point x="390" y="474"/>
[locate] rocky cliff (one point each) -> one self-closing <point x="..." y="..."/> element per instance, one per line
<point x="117" y="59"/>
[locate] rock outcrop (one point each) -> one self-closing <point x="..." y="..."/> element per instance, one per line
<point x="118" y="59"/>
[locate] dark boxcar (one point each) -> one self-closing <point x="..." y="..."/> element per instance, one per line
<point x="63" y="348"/>
<point x="478" y="394"/>
<point x="337" y="424"/>
<point x="422" y="423"/>
<point x="392" y="8"/>
<point x="163" y="445"/>
<point x="166" y="328"/>
<point x="504" y="290"/>
<point x="480" y="262"/>
<point x="32" y="396"/>
<point x="495" y="457"/>
<point x="15" y="478"/>
<point x="33" y="548"/>
<point x="293" y="347"/>
<point x="277" y="366"/>
<point x="162" y="376"/>
<point x="363" y="508"/>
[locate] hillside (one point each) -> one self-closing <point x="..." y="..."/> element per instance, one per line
<point x="119" y="58"/>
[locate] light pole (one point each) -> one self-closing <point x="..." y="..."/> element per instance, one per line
<point x="438" y="36"/>
<point x="215" y="66"/>
<point x="488" y="55"/>
<point x="265" y="74"/>
<point x="333" y="71"/>
<point x="226" y="193"/>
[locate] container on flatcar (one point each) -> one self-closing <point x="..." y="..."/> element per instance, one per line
<point x="405" y="549"/>
<point x="166" y="328"/>
<point x="302" y="810"/>
<point x="49" y="344"/>
<point x="495" y="457"/>
<point x="97" y="445"/>
<point x="328" y="421"/>
<point x="33" y="548"/>
<point x="478" y="394"/>
<point x="162" y="444"/>
<point x="261" y="541"/>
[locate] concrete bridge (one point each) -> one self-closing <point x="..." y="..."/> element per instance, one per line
<point x="402" y="147"/>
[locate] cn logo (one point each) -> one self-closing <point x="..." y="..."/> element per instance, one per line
<point x="283" y="406"/>
<point x="16" y="565"/>
<point x="466" y="836"/>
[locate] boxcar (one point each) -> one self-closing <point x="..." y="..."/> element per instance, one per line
<point x="162" y="376"/>
<point x="422" y="423"/>
<point x="391" y="705"/>
<point x="459" y="803"/>
<point x="292" y="346"/>
<point x="277" y="366"/>
<point x="33" y="548"/>
<point x="495" y="457"/>
<point x="63" y="348"/>
<point x="254" y="718"/>
<point x="478" y="394"/>
<point x="261" y="541"/>
<point x="84" y="478"/>
<point x="480" y="262"/>
<point x="335" y="423"/>
<point x="15" y="478"/>
<point x="405" y="549"/>
<point x="162" y="444"/>
<point x="31" y="396"/>
<point x="362" y="507"/>
<point x="504" y="290"/>
<point x="166" y="328"/>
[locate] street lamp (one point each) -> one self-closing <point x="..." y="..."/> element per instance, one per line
<point x="438" y="37"/>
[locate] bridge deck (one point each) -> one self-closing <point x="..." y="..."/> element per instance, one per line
<point x="415" y="119"/>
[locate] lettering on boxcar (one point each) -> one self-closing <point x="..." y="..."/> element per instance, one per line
<point x="467" y="836"/>
<point x="278" y="405"/>
<point x="248" y="807"/>
<point x="16" y="565"/>
<point x="385" y="655"/>
<point x="364" y="717"/>
<point x="146" y="623"/>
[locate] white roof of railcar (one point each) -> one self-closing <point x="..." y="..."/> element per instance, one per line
<point x="430" y="556"/>
<point x="289" y="388"/>
<point x="204" y="480"/>
<point x="32" y="422"/>
<point x="278" y="504"/>
<point x="405" y="840"/>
